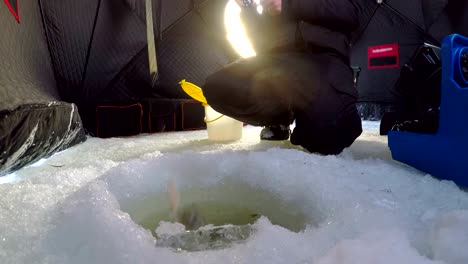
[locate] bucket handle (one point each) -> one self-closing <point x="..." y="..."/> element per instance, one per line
<point x="211" y="121"/>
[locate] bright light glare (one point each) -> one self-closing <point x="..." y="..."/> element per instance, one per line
<point x="259" y="6"/>
<point x="260" y="9"/>
<point x="235" y="30"/>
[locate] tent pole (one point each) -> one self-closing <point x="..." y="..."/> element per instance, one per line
<point x="153" y="65"/>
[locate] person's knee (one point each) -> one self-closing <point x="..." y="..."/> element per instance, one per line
<point x="329" y="140"/>
<point x="215" y="83"/>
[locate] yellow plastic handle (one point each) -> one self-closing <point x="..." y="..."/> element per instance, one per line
<point x="193" y="91"/>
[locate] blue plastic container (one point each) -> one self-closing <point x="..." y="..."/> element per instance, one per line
<point x="444" y="154"/>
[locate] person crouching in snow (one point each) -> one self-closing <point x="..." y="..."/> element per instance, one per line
<point x="312" y="84"/>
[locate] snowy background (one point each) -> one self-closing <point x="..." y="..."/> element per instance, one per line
<point x="85" y="205"/>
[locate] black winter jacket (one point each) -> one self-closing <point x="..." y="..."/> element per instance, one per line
<point x="325" y="24"/>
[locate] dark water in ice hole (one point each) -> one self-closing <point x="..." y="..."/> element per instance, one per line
<point x="227" y="203"/>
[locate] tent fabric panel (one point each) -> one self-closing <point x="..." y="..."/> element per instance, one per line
<point x="165" y="11"/>
<point x="173" y="10"/>
<point x="118" y="67"/>
<point x="187" y="51"/>
<point x="120" y="35"/>
<point x="69" y="26"/>
<point x="411" y="9"/>
<point x="386" y="27"/>
<point x="131" y="117"/>
<point x="453" y="20"/>
<point x="133" y="80"/>
<point x="432" y="10"/>
<point x="125" y="120"/>
<point x="26" y="73"/>
<point x="367" y="13"/>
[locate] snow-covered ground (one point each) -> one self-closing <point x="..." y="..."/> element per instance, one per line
<point x="85" y="205"/>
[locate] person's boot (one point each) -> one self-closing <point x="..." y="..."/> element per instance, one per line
<point x="279" y="132"/>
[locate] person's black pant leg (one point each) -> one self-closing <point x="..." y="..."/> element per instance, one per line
<point x="329" y="121"/>
<point x="314" y="89"/>
<point x="253" y="90"/>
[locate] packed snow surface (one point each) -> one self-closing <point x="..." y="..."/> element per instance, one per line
<point x="95" y="203"/>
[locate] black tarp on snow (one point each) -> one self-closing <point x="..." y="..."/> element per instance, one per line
<point x="34" y="123"/>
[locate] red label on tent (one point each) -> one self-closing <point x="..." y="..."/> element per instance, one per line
<point x="383" y="56"/>
<point x="13" y="8"/>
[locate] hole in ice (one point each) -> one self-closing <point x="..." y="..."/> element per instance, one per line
<point x="221" y="199"/>
<point x="214" y="217"/>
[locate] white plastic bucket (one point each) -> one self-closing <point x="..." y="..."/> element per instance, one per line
<point x="221" y="127"/>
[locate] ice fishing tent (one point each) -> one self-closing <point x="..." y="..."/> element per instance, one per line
<point x="99" y="49"/>
<point x="34" y="122"/>
<point x="70" y="67"/>
<point x="392" y="34"/>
